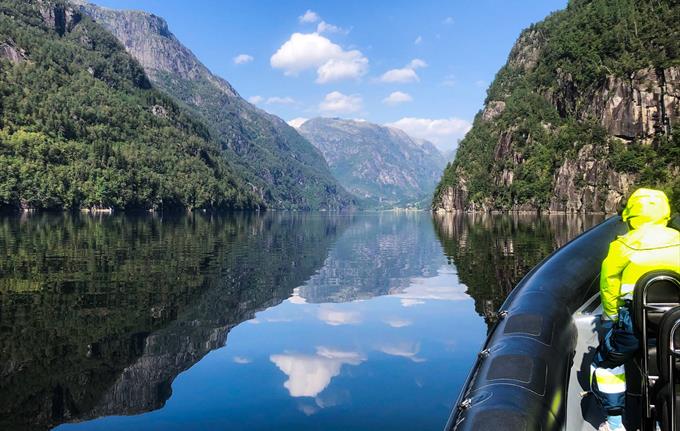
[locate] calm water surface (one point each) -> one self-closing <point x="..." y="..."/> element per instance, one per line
<point x="252" y="322"/>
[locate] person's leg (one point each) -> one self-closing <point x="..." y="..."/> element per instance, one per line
<point x="608" y="375"/>
<point x="609" y="386"/>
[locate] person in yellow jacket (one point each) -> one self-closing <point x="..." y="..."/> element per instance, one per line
<point x="649" y="245"/>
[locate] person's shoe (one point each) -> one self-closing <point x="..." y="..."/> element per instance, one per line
<point x="604" y="426"/>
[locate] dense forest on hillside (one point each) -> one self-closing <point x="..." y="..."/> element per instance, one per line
<point x="80" y="125"/>
<point x="556" y="95"/>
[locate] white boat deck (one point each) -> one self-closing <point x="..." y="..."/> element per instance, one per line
<point x="583" y="411"/>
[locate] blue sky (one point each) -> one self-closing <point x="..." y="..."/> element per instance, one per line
<point x="423" y="66"/>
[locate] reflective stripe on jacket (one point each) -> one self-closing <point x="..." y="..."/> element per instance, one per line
<point x="647" y="248"/>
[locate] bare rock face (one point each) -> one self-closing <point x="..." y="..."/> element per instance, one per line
<point x="493" y="109"/>
<point x="526" y="51"/>
<point x="159" y="111"/>
<point x="11" y="52"/>
<point x="61" y="18"/>
<point x="148" y="39"/>
<point x="578" y="184"/>
<point x="639" y="107"/>
<point x="454" y="199"/>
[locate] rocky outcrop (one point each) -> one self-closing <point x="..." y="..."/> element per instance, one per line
<point x="60" y="17"/>
<point x="526" y="52"/>
<point x="453" y="199"/>
<point x="493" y="109"/>
<point x="11" y="52"/>
<point x="382" y="165"/>
<point x="638" y="107"/>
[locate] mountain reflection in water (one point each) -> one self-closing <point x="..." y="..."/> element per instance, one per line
<point x="333" y="321"/>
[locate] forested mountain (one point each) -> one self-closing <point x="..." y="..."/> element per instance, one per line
<point x="381" y="165"/>
<point x="285" y="169"/>
<point x="586" y="109"/>
<point x="81" y="126"/>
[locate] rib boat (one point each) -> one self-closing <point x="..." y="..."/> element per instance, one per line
<point x="533" y="371"/>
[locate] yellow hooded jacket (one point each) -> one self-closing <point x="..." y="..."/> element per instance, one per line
<point x="650" y="245"/>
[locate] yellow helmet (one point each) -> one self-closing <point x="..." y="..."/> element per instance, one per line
<point x="646" y="206"/>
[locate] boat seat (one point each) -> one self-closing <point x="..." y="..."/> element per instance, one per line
<point x="668" y="396"/>
<point x="655" y="294"/>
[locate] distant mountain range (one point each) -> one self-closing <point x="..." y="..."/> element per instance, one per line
<point x="382" y="166"/>
<point x="280" y="165"/>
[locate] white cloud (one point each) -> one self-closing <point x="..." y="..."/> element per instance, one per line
<point x="400" y="75"/>
<point x="336" y="102"/>
<point x="416" y="63"/>
<point x="449" y="81"/>
<point x="324" y="27"/>
<point x="351" y="65"/>
<point x="313" y="51"/>
<point x="448" y="20"/>
<point x="443" y="132"/>
<point x="297" y="122"/>
<point x="241" y="360"/>
<point x="309" y="375"/>
<point x="396" y="98"/>
<point x="255" y="99"/>
<point x="336" y="317"/>
<point x="418" y="40"/>
<point x="243" y="58"/>
<point x="309" y="16"/>
<point x="275" y="100"/>
<point x="405" y="74"/>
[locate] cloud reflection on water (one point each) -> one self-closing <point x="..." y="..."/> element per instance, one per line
<point x="308" y="375"/>
<point x="405" y="349"/>
<point x="335" y="317"/>
<point x="442" y="287"/>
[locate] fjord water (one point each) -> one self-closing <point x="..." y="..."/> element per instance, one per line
<point x="289" y="321"/>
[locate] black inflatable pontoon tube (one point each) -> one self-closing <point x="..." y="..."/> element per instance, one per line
<point x="520" y="379"/>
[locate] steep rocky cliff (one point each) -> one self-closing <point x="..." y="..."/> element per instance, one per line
<point x="281" y="166"/>
<point x="382" y="165"/>
<point x="586" y="109"/>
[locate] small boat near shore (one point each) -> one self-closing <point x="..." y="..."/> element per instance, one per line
<point x="533" y="370"/>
